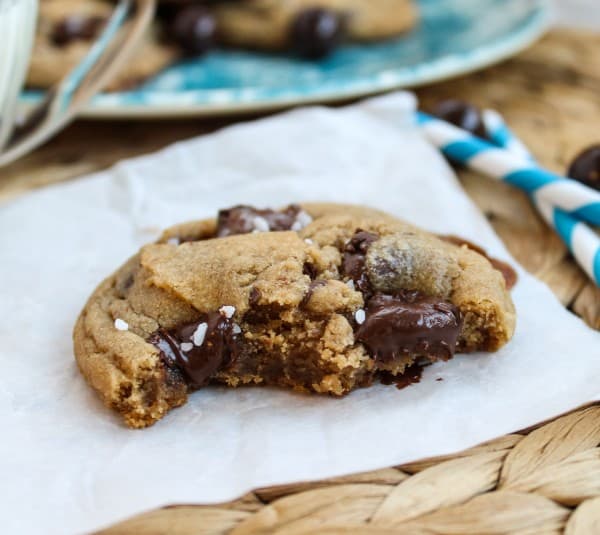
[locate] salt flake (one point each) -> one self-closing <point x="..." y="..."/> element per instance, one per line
<point x="199" y="334"/>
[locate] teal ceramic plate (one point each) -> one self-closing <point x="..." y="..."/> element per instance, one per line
<point x="453" y="37"/>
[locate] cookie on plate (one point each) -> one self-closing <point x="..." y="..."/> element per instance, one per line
<point x="317" y="298"/>
<point x="65" y="31"/>
<point x="310" y="28"/>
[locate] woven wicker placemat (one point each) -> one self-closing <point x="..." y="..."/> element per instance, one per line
<point x="544" y="481"/>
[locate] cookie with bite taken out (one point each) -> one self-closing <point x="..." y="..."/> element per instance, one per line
<point x="318" y="298"/>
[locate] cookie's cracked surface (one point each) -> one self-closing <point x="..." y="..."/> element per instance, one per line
<point x="347" y="294"/>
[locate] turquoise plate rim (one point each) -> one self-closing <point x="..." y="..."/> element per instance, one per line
<point x="223" y="102"/>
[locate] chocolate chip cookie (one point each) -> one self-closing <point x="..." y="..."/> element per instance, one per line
<point x="317" y="298"/>
<point x="310" y="28"/>
<point x="67" y="28"/>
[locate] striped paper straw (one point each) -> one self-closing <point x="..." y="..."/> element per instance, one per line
<point x="580" y="239"/>
<point x="499" y="133"/>
<point x="462" y="147"/>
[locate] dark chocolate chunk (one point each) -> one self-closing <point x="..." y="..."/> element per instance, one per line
<point x="509" y="274"/>
<point x="353" y="264"/>
<point x="76" y="28"/>
<point x="316" y="32"/>
<point x="586" y="167"/>
<point x="463" y="115"/>
<point x="409" y="323"/>
<point x="200" y="349"/>
<point x="245" y="219"/>
<point x="309" y="270"/>
<point x="194" y="28"/>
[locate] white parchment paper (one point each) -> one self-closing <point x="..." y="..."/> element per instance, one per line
<point x="68" y="465"/>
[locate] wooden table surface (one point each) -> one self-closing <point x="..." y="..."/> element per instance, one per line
<point x="549" y="94"/>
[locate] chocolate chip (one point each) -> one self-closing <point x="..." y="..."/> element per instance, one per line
<point x="200" y="349"/>
<point x="463" y="115"/>
<point x="243" y="219"/>
<point x="315" y="32"/>
<point x="353" y="264"/>
<point x="76" y="28"/>
<point x="309" y="270"/>
<point x="311" y="289"/>
<point x="194" y="28"/>
<point x="586" y="167"/>
<point x="409" y="323"/>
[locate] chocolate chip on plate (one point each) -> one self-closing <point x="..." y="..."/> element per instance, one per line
<point x="194" y="28"/>
<point x="316" y="32"/>
<point x="76" y="28"/>
<point x="586" y="167"/>
<point x="463" y="115"/>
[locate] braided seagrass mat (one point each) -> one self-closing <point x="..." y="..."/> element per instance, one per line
<point x="545" y="480"/>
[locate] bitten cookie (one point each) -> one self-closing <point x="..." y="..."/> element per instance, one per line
<point x="318" y="298"/>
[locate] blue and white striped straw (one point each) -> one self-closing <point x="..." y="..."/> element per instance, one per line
<point x="580" y="239"/>
<point x="499" y="133"/>
<point x="462" y="147"/>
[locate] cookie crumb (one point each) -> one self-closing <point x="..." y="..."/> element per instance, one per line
<point x="199" y="334"/>
<point x="227" y="311"/>
<point x="187" y="346"/>
<point x="360" y="316"/>
<point x="121" y="325"/>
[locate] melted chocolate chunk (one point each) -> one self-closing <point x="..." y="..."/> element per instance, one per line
<point x="463" y="115"/>
<point x="76" y="28"/>
<point x="245" y="219"/>
<point x="586" y="167"/>
<point x="200" y="349"/>
<point x="316" y="32"/>
<point x="353" y="264"/>
<point x="509" y="274"/>
<point x="409" y="323"/>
